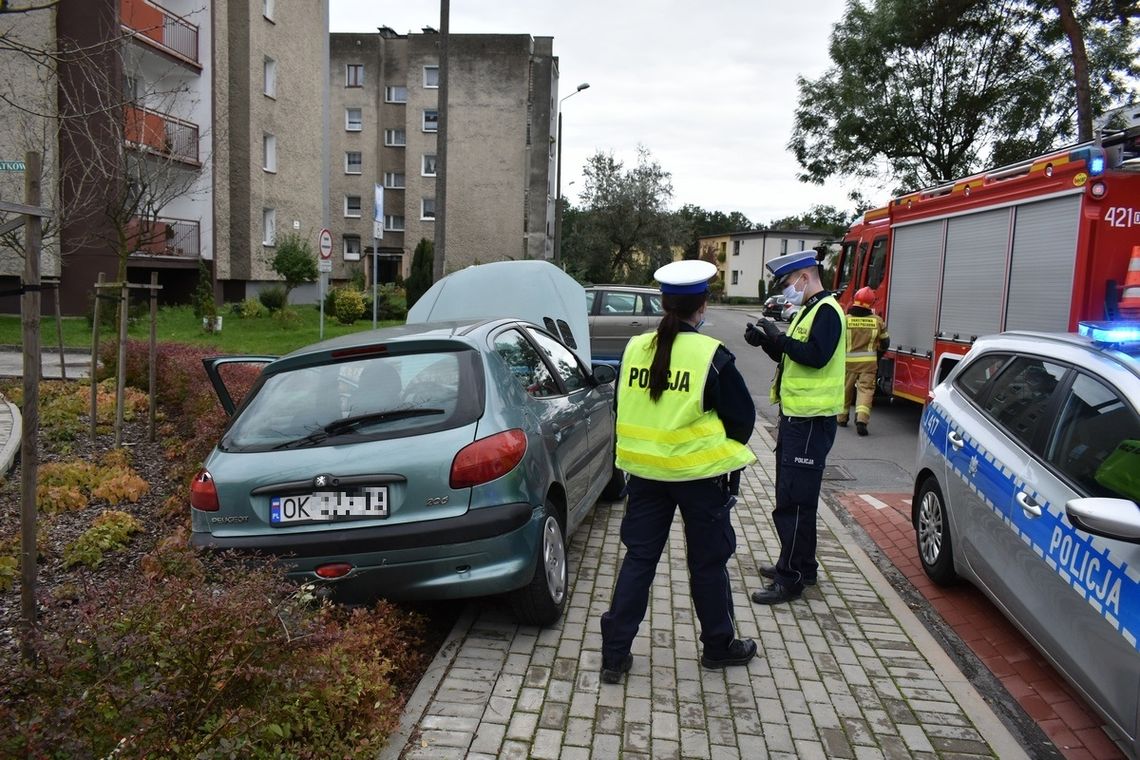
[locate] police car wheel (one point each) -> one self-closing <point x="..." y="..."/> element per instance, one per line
<point x="615" y="488"/>
<point x="932" y="532"/>
<point x="542" y="601"/>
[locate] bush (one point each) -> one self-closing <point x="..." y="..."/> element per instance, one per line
<point x="65" y="407"/>
<point x="293" y="259"/>
<point x="9" y="568"/>
<point x="393" y="302"/>
<point x="111" y="532"/>
<point x="273" y="297"/>
<point x="190" y="668"/>
<point x="348" y="305"/>
<point x="204" y="304"/>
<point x="250" y="308"/>
<point x="69" y="486"/>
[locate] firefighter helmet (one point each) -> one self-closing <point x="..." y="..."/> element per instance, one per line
<point x="864" y="296"/>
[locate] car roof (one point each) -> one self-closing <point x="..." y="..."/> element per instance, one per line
<point x="1064" y="346"/>
<point x="637" y="288"/>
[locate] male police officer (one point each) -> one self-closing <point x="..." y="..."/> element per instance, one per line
<point x="809" y="389"/>
<point x="867" y="339"/>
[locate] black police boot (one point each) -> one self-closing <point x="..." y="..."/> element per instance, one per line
<point x="612" y="672"/>
<point x="861" y="428"/>
<point x="739" y="652"/>
<point x="774" y="594"/>
<point x="769" y="572"/>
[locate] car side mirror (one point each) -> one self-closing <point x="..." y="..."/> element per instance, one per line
<point x="604" y="373"/>
<point x="1110" y="518"/>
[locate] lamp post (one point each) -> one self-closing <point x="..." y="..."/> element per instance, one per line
<point x="558" y="200"/>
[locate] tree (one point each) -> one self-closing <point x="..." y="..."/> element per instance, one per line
<point x="922" y="92"/>
<point x="420" y="278"/>
<point x="695" y="222"/>
<point x="827" y="219"/>
<point x="293" y="259"/>
<point x="624" y="231"/>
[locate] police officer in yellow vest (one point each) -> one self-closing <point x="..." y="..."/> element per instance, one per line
<point x="866" y="340"/>
<point x="809" y="389"/>
<point x="684" y="415"/>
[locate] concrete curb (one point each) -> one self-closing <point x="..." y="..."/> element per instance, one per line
<point x="11" y="445"/>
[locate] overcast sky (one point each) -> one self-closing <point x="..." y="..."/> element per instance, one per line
<point x="708" y="87"/>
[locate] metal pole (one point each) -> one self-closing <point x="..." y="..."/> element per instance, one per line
<point x="322" y="290"/>
<point x="438" y="260"/>
<point x="29" y="452"/>
<point x="152" y="373"/>
<point x="375" y="276"/>
<point x="558" y="201"/>
<point x="59" y="333"/>
<point x="95" y="355"/>
<point x="124" y="302"/>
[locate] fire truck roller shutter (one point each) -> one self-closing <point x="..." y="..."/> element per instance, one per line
<point x="915" y="255"/>
<point x="1044" y="262"/>
<point x="974" y="276"/>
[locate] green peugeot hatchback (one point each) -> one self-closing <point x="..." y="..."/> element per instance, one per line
<point x="433" y="460"/>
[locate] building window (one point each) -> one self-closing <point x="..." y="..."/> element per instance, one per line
<point x="395" y="138"/>
<point x="353" y="163"/>
<point x="353" y="119"/>
<point x="395" y="93"/>
<point x="431" y="77"/>
<point x="735" y="247"/>
<point x="351" y="247"/>
<point x="354" y="75"/>
<point x="427" y="208"/>
<point x="394" y="180"/>
<point x="735" y="277"/>
<point x="431" y="120"/>
<point x="393" y="223"/>
<point x="269" y="152"/>
<point x="268" y="226"/>
<point x="429" y="165"/>
<point x="267" y="8"/>
<point x="723" y="245"/>
<point x="783" y="247"/>
<point x="352" y="206"/>
<point x="271" y="77"/>
<point x="803" y="245"/>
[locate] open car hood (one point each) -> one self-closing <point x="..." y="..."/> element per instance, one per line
<point x="536" y="291"/>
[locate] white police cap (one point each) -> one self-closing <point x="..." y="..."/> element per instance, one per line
<point x="791" y="262"/>
<point x="688" y="277"/>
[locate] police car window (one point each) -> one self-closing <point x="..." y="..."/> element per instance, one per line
<point x="564" y="361"/>
<point x="878" y="263"/>
<point x="619" y="304"/>
<point x="1096" y="443"/>
<point x="1021" y="395"/>
<point x="974" y="380"/>
<point x="525" y="364"/>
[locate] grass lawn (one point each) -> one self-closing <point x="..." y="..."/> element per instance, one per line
<point x="261" y="335"/>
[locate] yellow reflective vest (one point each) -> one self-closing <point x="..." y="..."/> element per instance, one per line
<point x="672" y="439"/>
<point x="863" y="336"/>
<point x="806" y="391"/>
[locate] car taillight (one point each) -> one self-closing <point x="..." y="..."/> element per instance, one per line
<point x="333" y="570"/>
<point x="203" y="494"/>
<point x="487" y="459"/>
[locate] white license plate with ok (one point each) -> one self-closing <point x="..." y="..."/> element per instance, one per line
<point x="327" y="506"/>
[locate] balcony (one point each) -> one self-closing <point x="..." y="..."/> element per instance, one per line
<point x="152" y="25"/>
<point x="161" y="134"/>
<point x="162" y="236"/>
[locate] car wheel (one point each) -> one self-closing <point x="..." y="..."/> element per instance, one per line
<point x="932" y="532"/>
<point x="615" y="489"/>
<point x="541" y="601"/>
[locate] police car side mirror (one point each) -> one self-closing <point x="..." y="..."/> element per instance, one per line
<point x="1112" y="518"/>
<point x="604" y="373"/>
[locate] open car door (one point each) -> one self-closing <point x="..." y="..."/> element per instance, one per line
<point x="233" y="376"/>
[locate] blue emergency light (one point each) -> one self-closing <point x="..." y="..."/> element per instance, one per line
<point x="1096" y="165"/>
<point x="1110" y="333"/>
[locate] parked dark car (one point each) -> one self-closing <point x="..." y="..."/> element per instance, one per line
<point x="774" y="307"/>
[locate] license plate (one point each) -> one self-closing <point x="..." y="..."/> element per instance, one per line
<point x="328" y="506"/>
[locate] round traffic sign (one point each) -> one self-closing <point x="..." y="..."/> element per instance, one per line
<point x="324" y="244"/>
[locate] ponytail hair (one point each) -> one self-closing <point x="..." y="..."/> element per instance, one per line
<point x="678" y="308"/>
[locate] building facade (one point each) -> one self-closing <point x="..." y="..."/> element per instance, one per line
<point x="748" y="252"/>
<point x="384" y="94"/>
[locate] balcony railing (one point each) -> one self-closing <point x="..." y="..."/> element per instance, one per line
<point x="161" y="133"/>
<point x="160" y="27"/>
<point x="162" y="236"/>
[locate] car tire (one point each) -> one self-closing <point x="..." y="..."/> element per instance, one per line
<point x="615" y="488"/>
<point x="541" y="602"/>
<point x="932" y="534"/>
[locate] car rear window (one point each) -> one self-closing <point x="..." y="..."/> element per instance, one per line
<point x="389" y="396"/>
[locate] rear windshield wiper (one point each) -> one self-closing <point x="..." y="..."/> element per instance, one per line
<point x="336" y="427"/>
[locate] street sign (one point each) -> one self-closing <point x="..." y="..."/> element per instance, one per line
<point x="11" y="166"/>
<point x="324" y="244"/>
<point x="324" y="265"/>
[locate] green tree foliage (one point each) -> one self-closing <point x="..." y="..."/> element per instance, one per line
<point x="695" y="222"/>
<point x="420" y="278"/>
<point x="827" y="219"/>
<point x="624" y="230"/>
<point x="204" y="304"/>
<point x="294" y="261"/>
<point x="924" y="91"/>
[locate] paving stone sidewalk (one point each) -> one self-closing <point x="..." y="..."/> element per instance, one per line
<point x="845" y="672"/>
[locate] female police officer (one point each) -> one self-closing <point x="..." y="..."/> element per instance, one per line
<point x="684" y="416"/>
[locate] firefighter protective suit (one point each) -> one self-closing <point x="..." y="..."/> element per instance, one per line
<point x="866" y="339"/>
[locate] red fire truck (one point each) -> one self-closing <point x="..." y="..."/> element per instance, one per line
<point x="1038" y="245"/>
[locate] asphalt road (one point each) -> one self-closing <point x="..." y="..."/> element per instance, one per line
<point x="882" y="461"/>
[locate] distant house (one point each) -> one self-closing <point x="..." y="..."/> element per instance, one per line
<point x="748" y="251"/>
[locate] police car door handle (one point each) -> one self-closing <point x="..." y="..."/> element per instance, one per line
<point x="955" y="439"/>
<point x="1028" y="504"/>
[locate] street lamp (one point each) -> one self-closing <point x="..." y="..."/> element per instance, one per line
<point x="558" y="200"/>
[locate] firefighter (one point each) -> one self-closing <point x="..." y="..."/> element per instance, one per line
<point x="867" y="339"/>
<point x="809" y="389"/>
<point x="684" y="415"/>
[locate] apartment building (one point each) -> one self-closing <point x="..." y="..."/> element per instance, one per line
<point x="384" y="94"/>
<point x="271" y="112"/>
<point x="749" y="251"/>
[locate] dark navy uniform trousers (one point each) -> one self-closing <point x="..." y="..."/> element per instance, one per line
<point x="706" y="507"/>
<point x="802" y="445"/>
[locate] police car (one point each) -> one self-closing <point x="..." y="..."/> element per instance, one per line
<point x="1028" y="485"/>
